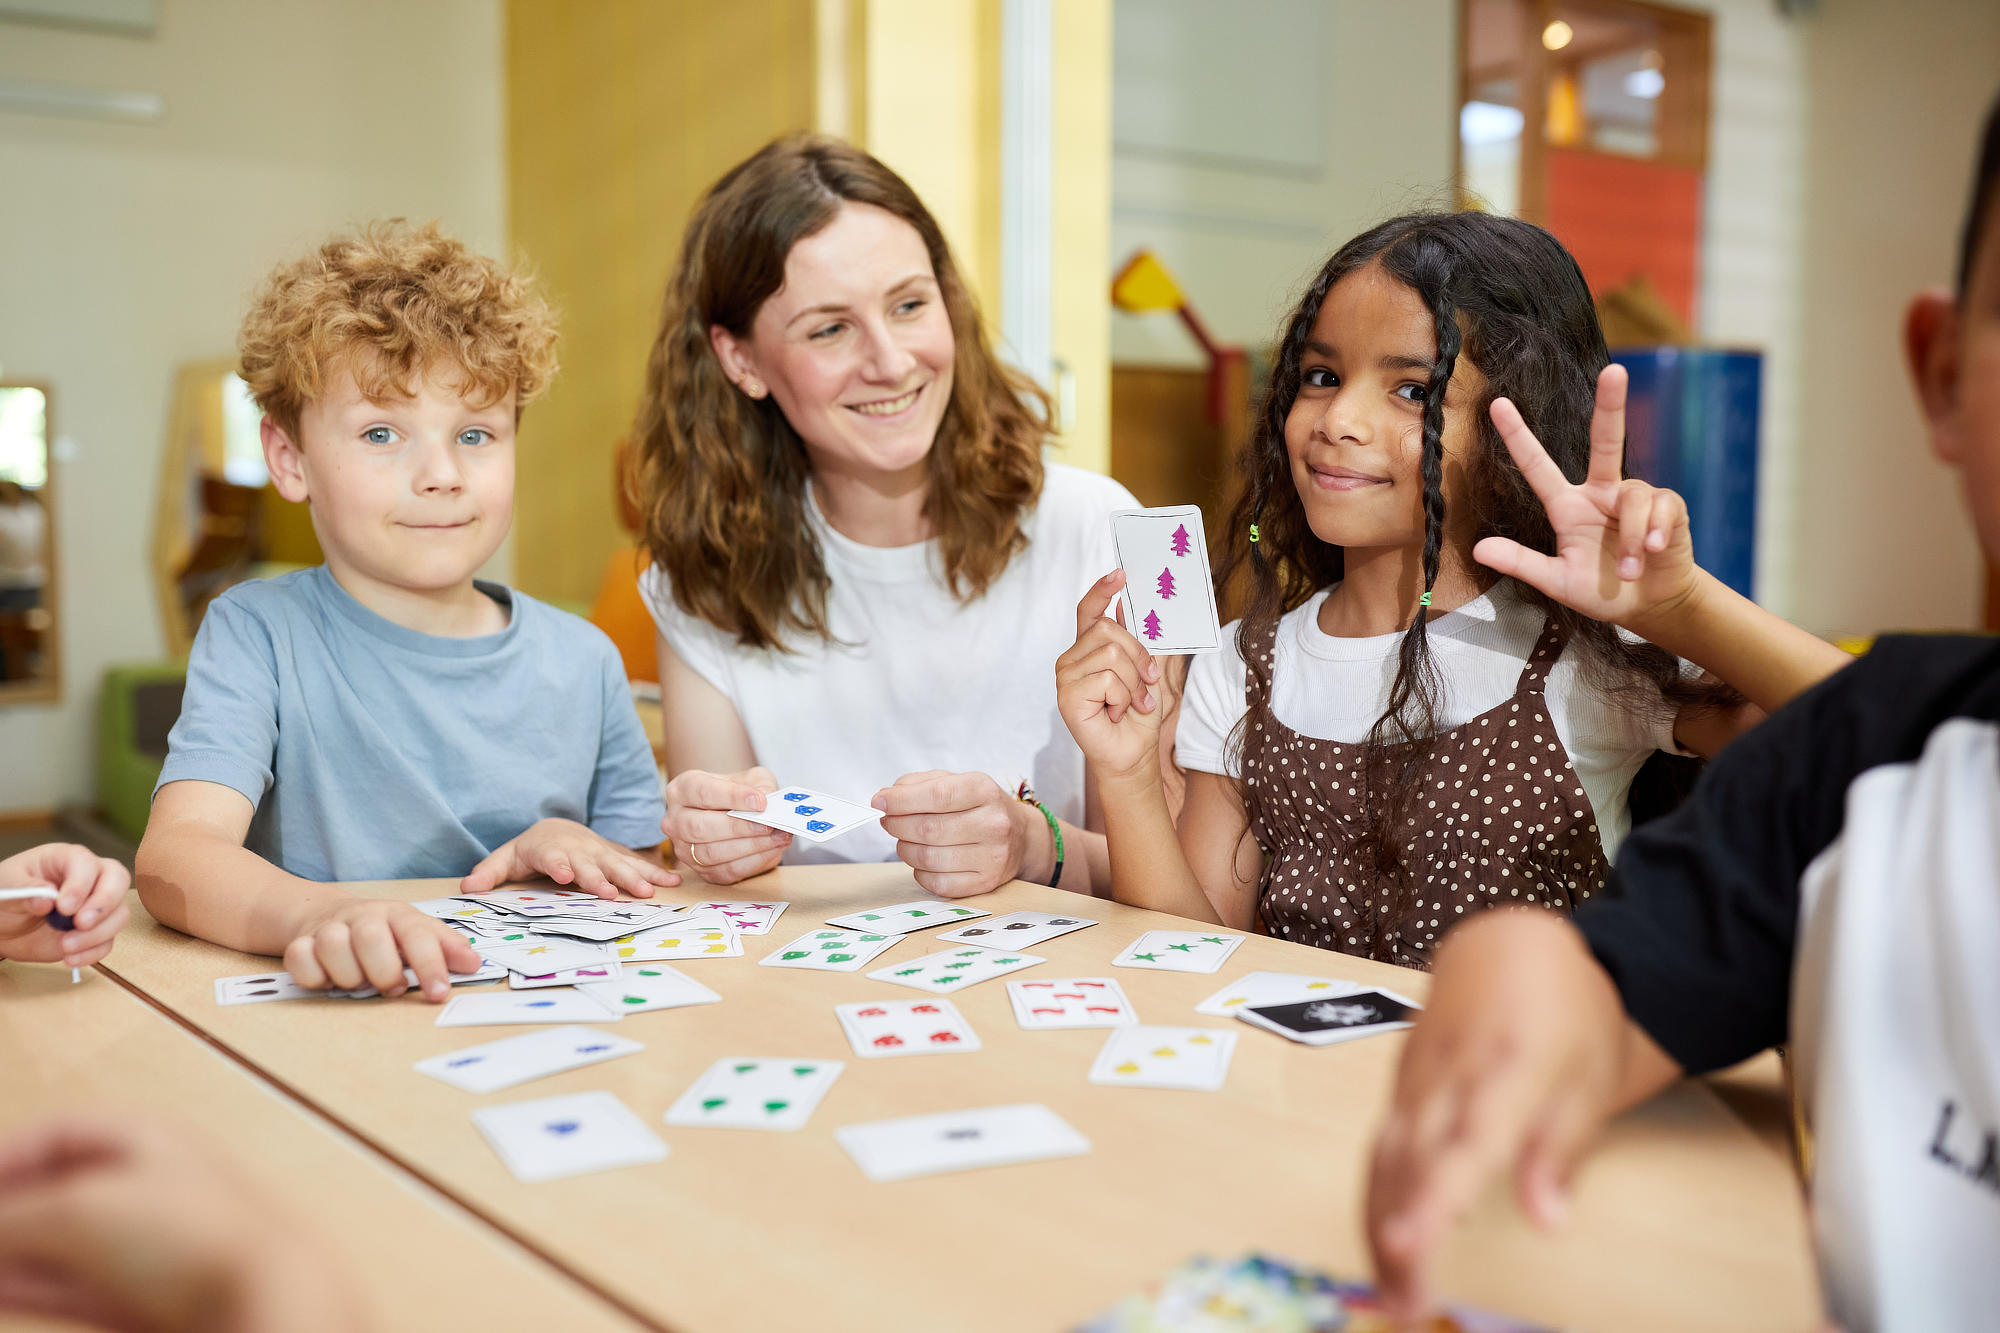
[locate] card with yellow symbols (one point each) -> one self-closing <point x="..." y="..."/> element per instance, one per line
<point x="740" y="1092"/>
<point x="1271" y="988"/>
<point x="705" y="936"/>
<point x="1154" y="1057"/>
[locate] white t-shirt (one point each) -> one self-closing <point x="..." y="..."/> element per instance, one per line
<point x="1334" y="689"/>
<point x="916" y="679"/>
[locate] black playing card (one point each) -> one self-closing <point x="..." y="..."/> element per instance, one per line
<point x="1334" y="1018"/>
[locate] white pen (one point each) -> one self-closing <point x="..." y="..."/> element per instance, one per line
<point x="39" y="891"/>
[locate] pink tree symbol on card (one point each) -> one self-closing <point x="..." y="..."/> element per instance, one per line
<point x="1166" y="583"/>
<point x="1151" y="625"/>
<point x="1180" y="540"/>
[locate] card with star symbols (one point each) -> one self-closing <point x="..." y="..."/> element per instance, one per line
<point x="1196" y="1059"/>
<point x="740" y="1092"/>
<point x="955" y="969"/>
<point x="1179" y="950"/>
<point x="903" y="918"/>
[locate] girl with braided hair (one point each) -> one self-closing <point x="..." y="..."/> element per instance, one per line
<point x="1465" y="629"/>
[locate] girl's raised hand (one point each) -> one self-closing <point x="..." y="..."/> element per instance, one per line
<point x="1623" y="552"/>
<point x="1105" y="688"/>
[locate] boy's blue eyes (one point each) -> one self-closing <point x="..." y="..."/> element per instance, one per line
<point x="379" y="435"/>
<point x="472" y="435"/>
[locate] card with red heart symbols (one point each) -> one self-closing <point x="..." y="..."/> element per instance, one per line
<point x="880" y="1028"/>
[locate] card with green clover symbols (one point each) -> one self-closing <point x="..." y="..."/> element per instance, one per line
<point x="831" y="950"/>
<point x="1179" y="950"/>
<point x="954" y="969"/>
<point x="745" y="1093"/>
<point x="902" y="918"/>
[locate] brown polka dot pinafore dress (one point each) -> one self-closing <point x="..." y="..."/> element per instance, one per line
<point x="1499" y="817"/>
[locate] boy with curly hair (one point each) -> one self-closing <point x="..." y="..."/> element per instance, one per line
<point x="387" y="715"/>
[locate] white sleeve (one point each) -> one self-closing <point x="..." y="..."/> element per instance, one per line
<point x="1656" y="728"/>
<point x="705" y="649"/>
<point x="1212" y="703"/>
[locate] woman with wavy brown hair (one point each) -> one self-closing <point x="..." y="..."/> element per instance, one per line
<point x="862" y="566"/>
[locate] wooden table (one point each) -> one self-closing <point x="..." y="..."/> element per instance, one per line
<point x="420" y="1260"/>
<point x="1683" y="1219"/>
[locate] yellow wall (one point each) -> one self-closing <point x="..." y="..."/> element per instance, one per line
<point x="1081" y="336"/>
<point x="619" y="114"/>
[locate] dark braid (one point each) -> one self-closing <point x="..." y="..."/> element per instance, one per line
<point x="1505" y="295"/>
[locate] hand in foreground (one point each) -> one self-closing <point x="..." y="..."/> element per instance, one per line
<point x="1512" y="1067"/>
<point x="723" y="849"/>
<point x="961" y="833"/>
<point x="368" y="941"/>
<point x="90" y="890"/>
<point x="1106" y="688"/>
<point x="1623" y="550"/>
<point x="570" y="854"/>
<point x="128" y="1226"/>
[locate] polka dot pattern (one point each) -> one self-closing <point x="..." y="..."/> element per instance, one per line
<point x="1499" y="817"/>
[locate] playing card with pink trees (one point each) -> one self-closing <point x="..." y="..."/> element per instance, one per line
<point x="1169" y="595"/>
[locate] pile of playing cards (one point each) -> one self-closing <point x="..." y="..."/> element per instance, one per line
<point x="1257" y="1294"/>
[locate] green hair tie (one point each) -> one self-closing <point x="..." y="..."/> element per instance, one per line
<point x="1425" y="600"/>
<point x="1253" y="534"/>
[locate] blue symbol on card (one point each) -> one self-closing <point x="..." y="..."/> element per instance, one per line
<point x="592" y="1050"/>
<point x="463" y="1060"/>
<point x="540" y="1004"/>
<point x="805" y="809"/>
<point x="818" y="825"/>
<point x="795" y="796"/>
<point x="562" y="1127"/>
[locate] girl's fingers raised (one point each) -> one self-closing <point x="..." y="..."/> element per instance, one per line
<point x="1540" y="470"/>
<point x="1607" y="427"/>
<point x="1504" y="555"/>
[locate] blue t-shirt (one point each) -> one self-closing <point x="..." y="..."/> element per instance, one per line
<point x="372" y="751"/>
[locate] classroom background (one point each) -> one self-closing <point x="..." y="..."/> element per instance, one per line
<point x="1136" y="189"/>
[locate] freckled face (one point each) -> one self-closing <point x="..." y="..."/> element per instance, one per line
<point x="1355" y="431"/>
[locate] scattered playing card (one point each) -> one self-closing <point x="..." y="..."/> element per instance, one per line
<point x="267" y="986"/>
<point x="1322" y="1022"/>
<point x="1169" y="597"/>
<point x="517" y="899"/>
<point x="747" y="918"/>
<point x="1016" y="930"/>
<point x="831" y="951"/>
<point x="1270" y="988"/>
<point x="925" y="1145"/>
<point x="535" y="1006"/>
<point x="812" y="815"/>
<point x="954" y="969"/>
<point x="539" y="955"/>
<point x="570" y="977"/>
<point x="704" y="936"/>
<point x="1076" y="1002"/>
<point x="1179" y="950"/>
<point x="1154" y="1057"/>
<point x="567" y="1136"/>
<point x="903" y="918"/>
<point x="649" y="986"/>
<point x="494" y="1065"/>
<point x="743" y="1093"/>
<point x="880" y="1028"/>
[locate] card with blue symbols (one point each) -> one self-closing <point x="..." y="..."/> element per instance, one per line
<point x="522" y="1006"/>
<point x="493" y="1065"/>
<point x="567" y="1136"/>
<point x="812" y="815"/>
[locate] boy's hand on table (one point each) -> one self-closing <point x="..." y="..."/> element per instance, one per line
<point x="368" y="941"/>
<point x="722" y="848"/>
<point x="124" y="1225"/>
<point x="569" y="853"/>
<point x="1514" y="1065"/>
<point x="90" y="890"/>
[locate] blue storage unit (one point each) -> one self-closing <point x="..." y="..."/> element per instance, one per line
<point x="1691" y="425"/>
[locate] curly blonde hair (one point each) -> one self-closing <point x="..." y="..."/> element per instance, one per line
<point x="389" y="305"/>
<point x="722" y="478"/>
